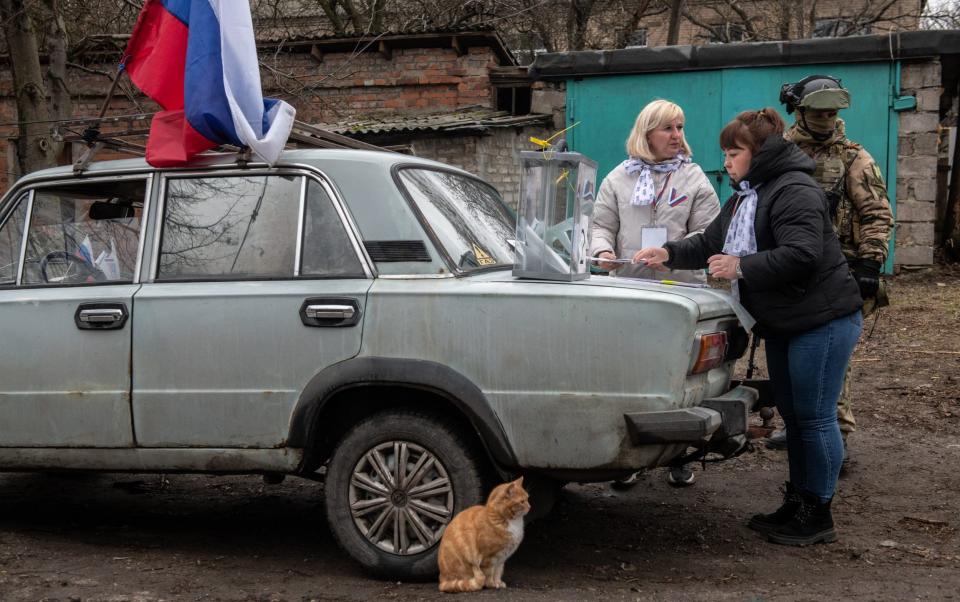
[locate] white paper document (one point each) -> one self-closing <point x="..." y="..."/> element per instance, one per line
<point x="607" y="260"/>
<point x="653" y="237"/>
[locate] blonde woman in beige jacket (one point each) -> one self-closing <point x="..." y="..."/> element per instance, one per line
<point x="656" y="195"/>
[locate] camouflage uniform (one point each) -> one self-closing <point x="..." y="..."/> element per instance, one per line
<point x="863" y="219"/>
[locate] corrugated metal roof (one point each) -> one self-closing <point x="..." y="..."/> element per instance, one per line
<point x="467" y="119"/>
<point x="458" y="39"/>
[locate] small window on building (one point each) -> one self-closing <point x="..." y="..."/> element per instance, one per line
<point x="516" y="100"/>
<point x="637" y="38"/>
<point x="241" y="227"/>
<point x="724" y="33"/>
<point x="833" y="28"/>
<point x="728" y="32"/>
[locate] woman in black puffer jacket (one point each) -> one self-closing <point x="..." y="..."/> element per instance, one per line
<point x="774" y="240"/>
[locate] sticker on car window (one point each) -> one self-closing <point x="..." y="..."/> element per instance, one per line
<point x="483" y="258"/>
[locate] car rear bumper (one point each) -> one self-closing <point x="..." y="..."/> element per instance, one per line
<point x="716" y="418"/>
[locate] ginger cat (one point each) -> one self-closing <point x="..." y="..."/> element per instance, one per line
<point x="478" y="541"/>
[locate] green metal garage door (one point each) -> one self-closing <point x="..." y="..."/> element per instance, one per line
<point x="606" y="107"/>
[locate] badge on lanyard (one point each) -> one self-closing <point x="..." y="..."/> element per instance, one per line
<point x="653" y="236"/>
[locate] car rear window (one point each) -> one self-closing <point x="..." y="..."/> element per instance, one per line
<point x="465" y="215"/>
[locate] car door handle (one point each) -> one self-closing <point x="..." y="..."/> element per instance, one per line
<point x="330" y="312"/>
<point x="101" y="316"/>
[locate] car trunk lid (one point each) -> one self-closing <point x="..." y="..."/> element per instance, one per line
<point x="713" y="303"/>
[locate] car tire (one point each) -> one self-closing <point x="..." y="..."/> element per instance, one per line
<point x="361" y="476"/>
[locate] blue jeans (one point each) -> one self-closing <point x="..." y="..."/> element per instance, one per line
<point x="806" y="373"/>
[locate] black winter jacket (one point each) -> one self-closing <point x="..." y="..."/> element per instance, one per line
<point x="798" y="279"/>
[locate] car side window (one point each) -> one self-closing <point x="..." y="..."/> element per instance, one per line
<point x="11" y="238"/>
<point x="231" y="227"/>
<point x="84" y="233"/>
<point x="327" y="250"/>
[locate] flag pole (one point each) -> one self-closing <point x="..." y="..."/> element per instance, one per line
<point x="91" y="135"/>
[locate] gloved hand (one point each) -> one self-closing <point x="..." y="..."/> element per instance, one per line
<point x="867" y="274"/>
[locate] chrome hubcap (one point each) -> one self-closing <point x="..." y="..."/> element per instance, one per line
<point x="400" y="497"/>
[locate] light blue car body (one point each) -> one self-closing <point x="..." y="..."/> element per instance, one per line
<point x="224" y="377"/>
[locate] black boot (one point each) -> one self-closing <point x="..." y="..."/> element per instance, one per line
<point x="812" y="523"/>
<point x="764" y="523"/>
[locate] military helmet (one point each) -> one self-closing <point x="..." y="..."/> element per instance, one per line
<point x="817" y="92"/>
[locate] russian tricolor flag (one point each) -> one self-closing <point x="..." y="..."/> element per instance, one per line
<point x="197" y="59"/>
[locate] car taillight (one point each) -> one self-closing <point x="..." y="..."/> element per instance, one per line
<point x="713" y="349"/>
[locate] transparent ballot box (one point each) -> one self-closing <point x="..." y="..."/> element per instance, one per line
<point x="553" y="215"/>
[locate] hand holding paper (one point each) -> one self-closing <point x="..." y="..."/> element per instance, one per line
<point x="653" y="257"/>
<point x="613" y="262"/>
<point x="608" y="261"/>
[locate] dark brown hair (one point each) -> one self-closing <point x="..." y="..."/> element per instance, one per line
<point x="749" y="129"/>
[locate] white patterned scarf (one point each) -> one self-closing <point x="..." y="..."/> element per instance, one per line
<point x="643" y="192"/>
<point x="741" y="237"/>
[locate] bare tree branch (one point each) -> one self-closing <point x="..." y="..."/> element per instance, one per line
<point x="673" y="28"/>
<point x="60" y="103"/>
<point x="578" y="17"/>
<point x="330" y="10"/>
<point x="35" y="147"/>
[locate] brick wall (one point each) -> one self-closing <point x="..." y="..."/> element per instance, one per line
<point x="8" y="114"/>
<point x="550" y="98"/>
<point x="917" y="158"/>
<point x="410" y="81"/>
<point x="492" y="156"/>
<point x="324" y="88"/>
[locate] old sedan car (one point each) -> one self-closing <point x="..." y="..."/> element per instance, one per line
<point x="329" y="318"/>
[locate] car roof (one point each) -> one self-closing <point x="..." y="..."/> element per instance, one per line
<point x="316" y="157"/>
<point x="363" y="178"/>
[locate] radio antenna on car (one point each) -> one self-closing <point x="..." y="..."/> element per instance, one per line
<point x="91" y="134"/>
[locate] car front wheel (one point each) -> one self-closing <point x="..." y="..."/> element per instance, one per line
<point x="393" y="483"/>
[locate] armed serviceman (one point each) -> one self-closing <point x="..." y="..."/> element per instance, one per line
<point x="857" y="195"/>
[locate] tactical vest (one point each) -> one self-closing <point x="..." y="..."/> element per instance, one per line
<point x="833" y="163"/>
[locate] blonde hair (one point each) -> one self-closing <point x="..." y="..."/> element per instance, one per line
<point x="654" y="115"/>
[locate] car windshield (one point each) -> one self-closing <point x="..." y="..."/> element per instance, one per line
<point x="466" y="216"/>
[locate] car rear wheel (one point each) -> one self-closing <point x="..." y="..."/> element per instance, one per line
<point x="393" y="483"/>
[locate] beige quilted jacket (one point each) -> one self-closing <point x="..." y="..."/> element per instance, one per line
<point x="686" y="206"/>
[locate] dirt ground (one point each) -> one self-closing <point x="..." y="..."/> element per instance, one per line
<point x="151" y="537"/>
